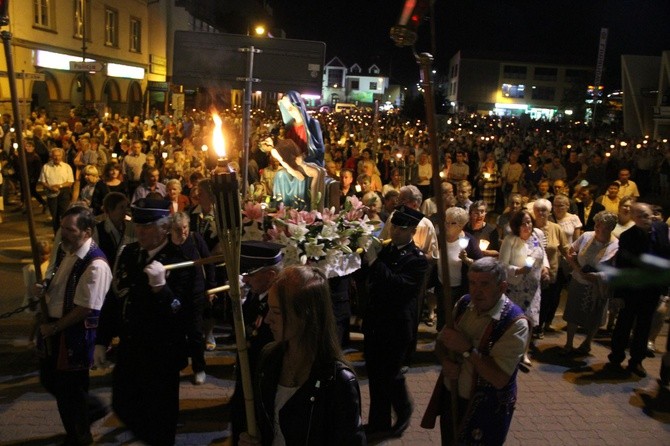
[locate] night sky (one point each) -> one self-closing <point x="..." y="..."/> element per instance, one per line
<point x="358" y="30"/>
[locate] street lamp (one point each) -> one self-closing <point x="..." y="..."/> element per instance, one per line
<point x="259" y="30"/>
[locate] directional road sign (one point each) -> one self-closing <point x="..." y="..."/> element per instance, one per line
<point x="27" y="76"/>
<point x="86" y="66"/>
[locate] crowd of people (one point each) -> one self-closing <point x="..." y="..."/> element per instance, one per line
<point x="533" y="209"/>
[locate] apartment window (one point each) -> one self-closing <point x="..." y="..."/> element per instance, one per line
<point x="543" y="93"/>
<point x="335" y="76"/>
<point x="81" y="8"/>
<point x="43" y="13"/>
<point x="373" y="85"/>
<point x="111" y="27"/>
<point x="514" y="71"/>
<point x="355" y="85"/>
<point x="513" y="91"/>
<point x="135" y="35"/>
<point x="545" y="74"/>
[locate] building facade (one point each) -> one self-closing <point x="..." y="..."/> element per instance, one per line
<point x="506" y="85"/>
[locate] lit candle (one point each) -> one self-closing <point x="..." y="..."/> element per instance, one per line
<point x="204" y="148"/>
<point x="484" y="244"/>
<point x="530" y="261"/>
<point x="487" y="175"/>
<point x="463" y="242"/>
<point x="164" y="155"/>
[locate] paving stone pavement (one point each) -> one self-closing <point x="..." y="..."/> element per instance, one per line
<point x="561" y="401"/>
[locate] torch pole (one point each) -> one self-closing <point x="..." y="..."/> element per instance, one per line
<point x="425" y="61"/>
<point x="25" y="186"/>
<point x="228" y="219"/>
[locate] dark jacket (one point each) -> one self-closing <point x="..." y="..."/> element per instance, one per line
<point x="151" y="325"/>
<point x="589" y="225"/>
<point x="634" y="242"/>
<point x="326" y="410"/>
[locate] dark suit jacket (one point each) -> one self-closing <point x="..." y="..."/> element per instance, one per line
<point x="589" y="225"/>
<point x="634" y="242"/>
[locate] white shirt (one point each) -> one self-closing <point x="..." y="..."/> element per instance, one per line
<point x="91" y="288"/>
<point x="56" y="174"/>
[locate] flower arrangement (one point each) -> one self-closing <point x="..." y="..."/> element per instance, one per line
<point x="331" y="240"/>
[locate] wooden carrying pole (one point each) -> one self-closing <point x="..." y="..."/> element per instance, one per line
<point x="25" y="186"/>
<point x="204" y="261"/>
<point x="425" y="60"/>
<point x="228" y="219"/>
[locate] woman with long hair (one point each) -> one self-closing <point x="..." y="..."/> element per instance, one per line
<point x="305" y="392"/>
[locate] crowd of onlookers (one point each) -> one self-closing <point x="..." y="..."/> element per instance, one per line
<point x="553" y="202"/>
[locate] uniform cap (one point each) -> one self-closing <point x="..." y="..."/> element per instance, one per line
<point x="256" y="255"/>
<point x="406" y="217"/>
<point x="148" y="210"/>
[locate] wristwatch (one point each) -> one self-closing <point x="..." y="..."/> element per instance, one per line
<point x="468" y="352"/>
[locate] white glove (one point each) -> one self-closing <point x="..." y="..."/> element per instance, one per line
<point x="373" y="250"/>
<point x="100" y="357"/>
<point x="156" y="273"/>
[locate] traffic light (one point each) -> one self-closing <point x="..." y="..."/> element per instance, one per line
<point x="4" y="12"/>
<point x="404" y="33"/>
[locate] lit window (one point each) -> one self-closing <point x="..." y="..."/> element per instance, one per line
<point x="135" y="35"/>
<point x="111" y="27"/>
<point x="42" y="13"/>
<point x="82" y="8"/>
<point x="513" y="91"/>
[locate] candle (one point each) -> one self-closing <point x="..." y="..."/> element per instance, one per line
<point x="484" y="244"/>
<point x="164" y="155"/>
<point x="487" y="175"/>
<point x="463" y="242"/>
<point x="530" y="261"/>
<point x="204" y="147"/>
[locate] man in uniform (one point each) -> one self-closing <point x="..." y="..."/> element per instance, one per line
<point x="260" y="263"/>
<point x="488" y="340"/>
<point x="396" y="276"/>
<point x="146" y="312"/>
<point x="74" y="294"/>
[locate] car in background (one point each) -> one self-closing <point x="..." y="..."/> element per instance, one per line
<point x="343" y="107"/>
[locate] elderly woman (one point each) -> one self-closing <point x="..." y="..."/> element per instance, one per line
<point x="486" y="235"/>
<point x="625" y="219"/>
<point x="588" y="292"/>
<point x="93" y="190"/>
<point x="523" y="254"/>
<point x="305" y="392"/>
<point x="556" y="247"/>
<point x="194" y="247"/>
<point x="178" y="201"/>
<point x="459" y="259"/>
<point x="570" y="223"/>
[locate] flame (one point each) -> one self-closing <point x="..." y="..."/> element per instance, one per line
<point x="217" y="136"/>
